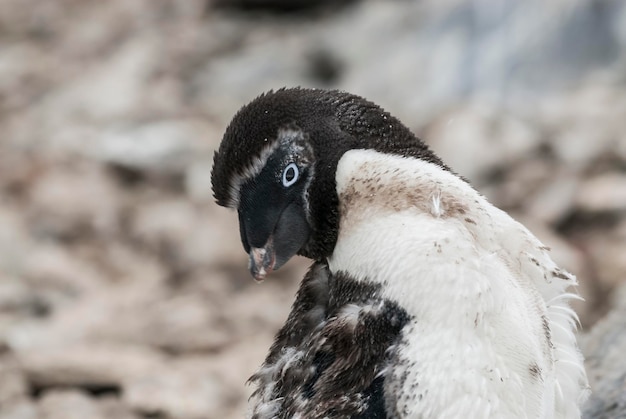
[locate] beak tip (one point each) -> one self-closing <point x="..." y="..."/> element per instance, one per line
<point x="260" y="272"/>
<point x="261" y="262"/>
<point x="259" y="276"/>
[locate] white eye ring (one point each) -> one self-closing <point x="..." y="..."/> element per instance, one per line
<point x="290" y="175"/>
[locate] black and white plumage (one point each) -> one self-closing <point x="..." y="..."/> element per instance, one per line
<point x="424" y="300"/>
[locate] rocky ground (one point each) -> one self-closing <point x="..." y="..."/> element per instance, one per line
<point x="123" y="288"/>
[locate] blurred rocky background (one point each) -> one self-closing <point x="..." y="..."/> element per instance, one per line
<point x="124" y="291"/>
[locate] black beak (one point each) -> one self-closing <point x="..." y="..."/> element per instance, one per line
<point x="272" y="241"/>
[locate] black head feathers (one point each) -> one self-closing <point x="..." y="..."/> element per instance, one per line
<point x="327" y="123"/>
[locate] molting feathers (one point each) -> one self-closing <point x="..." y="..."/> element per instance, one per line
<point x="424" y="300"/>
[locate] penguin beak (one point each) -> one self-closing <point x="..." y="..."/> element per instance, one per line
<point x="262" y="260"/>
<point x="272" y="237"/>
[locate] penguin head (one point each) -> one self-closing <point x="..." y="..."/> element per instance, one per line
<point x="272" y="200"/>
<point x="276" y="166"/>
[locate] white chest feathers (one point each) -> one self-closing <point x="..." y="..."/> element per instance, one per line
<point x="491" y="335"/>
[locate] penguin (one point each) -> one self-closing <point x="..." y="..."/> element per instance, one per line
<point x="423" y="299"/>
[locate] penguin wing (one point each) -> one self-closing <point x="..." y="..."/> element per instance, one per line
<point x="329" y="358"/>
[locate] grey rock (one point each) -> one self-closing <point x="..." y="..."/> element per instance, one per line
<point x="22" y="409"/>
<point x="179" y="325"/>
<point x="608" y="400"/>
<point x="114" y="407"/>
<point x="191" y="234"/>
<point x="75" y="404"/>
<point x="584" y="125"/>
<point x="161" y="146"/>
<point x="111" y="89"/>
<point x="198" y="179"/>
<point x="476" y="140"/>
<point x="444" y="52"/>
<point x="14" y="240"/>
<point x="87" y="365"/>
<point x="185" y="389"/>
<point x="87" y="318"/>
<point x="13" y="385"/>
<point x="68" y="404"/>
<point x="515" y="186"/>
<point x="602" y="193"/>
<point x="279" y="6"/>
<point x="554" y="198"/>
<point x="69" y="200"/>
<point x="606" y="252"/>
<point x="604" y="349"/>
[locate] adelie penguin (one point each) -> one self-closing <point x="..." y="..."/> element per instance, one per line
<point x="423" y="300"/>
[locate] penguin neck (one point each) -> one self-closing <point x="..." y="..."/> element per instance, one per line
<point x="356" y="124"/>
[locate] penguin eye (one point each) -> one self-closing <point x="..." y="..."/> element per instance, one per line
<point x="290" y="175"/>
